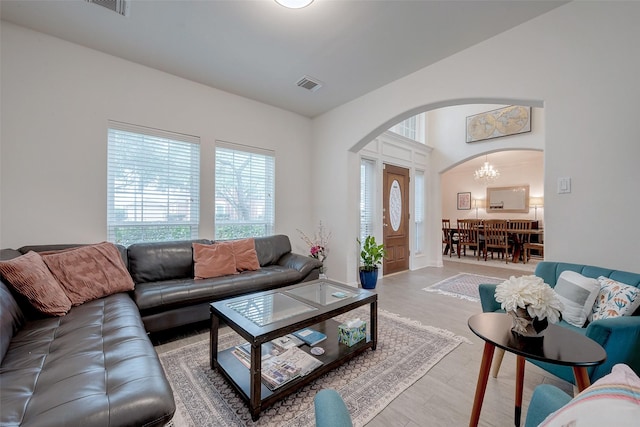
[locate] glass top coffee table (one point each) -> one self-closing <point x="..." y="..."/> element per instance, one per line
<point x="263" y="316"/>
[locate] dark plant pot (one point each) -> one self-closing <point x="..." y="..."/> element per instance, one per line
<point x="369" y="278"/>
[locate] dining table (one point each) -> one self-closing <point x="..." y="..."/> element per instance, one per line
<point x="518" y="240"/>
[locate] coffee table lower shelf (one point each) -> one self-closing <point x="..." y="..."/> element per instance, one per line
<point x="335" y="355"/>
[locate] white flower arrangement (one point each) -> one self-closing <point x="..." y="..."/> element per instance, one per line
<point x="532" y="294"/>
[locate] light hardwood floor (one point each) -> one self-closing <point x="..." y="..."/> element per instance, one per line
<point x="444" y="396"/>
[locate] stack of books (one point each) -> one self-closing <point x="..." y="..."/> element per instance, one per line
<point x="310" y="336"/>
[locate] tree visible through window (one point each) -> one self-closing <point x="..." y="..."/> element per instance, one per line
<point x="244" y="191"/>
<point x="153" y="185"/>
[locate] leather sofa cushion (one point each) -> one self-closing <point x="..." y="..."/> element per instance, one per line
<point x="89" y="272"/>
<point x="11" y="318"/>
<point x="270" y="249"/>
<point x="94" y="366"/>
<point x="161" y="296"/>
<point x="159" y="261"/>
<point x="29" y="276"/>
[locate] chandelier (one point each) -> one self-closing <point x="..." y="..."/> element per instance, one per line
<point x="486" y="173"/>
<point x="294" y="4"/>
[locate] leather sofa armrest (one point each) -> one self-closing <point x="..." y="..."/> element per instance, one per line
<point x="488" y="298"/>
<point x="303" y="264"/>
<point x="545" y="400"/>
<point x="620" y="337"/>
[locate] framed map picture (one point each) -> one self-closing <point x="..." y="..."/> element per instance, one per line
<point x="464" y="201"/>
<point x="501" y="122"/>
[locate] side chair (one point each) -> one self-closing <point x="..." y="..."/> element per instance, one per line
<point x="496" y="237"/>
<point x="468" y="236"/>
<point x="449" y="237"/>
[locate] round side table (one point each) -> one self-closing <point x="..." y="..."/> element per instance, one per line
<point x="559" y="345"/>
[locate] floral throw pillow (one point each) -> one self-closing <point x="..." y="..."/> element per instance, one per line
<point x="615" y="299"/>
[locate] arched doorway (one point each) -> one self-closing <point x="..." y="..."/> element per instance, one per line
<point x="448" y="149"/>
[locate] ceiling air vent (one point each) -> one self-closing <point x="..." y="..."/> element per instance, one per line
<point x="119" y="6"/>
<point x="309" y="83"/>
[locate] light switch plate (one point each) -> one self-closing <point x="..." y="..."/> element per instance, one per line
<point x="564" y="185"/>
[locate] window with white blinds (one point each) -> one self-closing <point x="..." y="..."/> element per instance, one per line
<point x="412" y="128"/>
<point x="419" y="211"/>
<point x="245" y="187"/>
<point x="153" y="185"/>
<point x="367" y="198"/>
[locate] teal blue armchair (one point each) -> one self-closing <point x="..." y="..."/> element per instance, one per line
<point x="545" y="400"/>
<point x="619" y="336"/>
<point x="331" y="410"/>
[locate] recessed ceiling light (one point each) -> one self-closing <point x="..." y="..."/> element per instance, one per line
<point x="294" y="4"/>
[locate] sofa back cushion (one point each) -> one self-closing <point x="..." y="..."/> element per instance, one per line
<point x="158" y="261"/>
<point x="11" y="318"/>
<point x="271" y="248"/>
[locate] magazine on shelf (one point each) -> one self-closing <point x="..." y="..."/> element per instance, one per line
<point x="310" y="336"/>
<point x="293" y="363"/>
<point x="278" y="370"/>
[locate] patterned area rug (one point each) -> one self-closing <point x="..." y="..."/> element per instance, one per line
<point x="463" y="285"/>
<point x="368" y="383"/>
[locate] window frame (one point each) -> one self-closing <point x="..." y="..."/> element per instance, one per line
<point x="224" y="229"/>
<point x="172" y="184"/>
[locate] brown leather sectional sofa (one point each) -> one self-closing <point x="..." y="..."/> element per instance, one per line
<point x="96" y="365"/>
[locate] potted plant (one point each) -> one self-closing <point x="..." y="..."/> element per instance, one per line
<point x="371" y="255"/>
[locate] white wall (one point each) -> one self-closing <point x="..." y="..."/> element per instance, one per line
<point x="580" y="62"/>
<point x="56" y="100"/>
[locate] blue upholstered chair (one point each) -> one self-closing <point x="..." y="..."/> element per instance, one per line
<point x="619" y="336"/>
<point x="331" y="410"/>
<point x="545" y="400"/>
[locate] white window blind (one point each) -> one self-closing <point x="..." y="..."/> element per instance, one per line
<point x="153" y="185"/>
<point x="245" y="187"/>
<point x="367" y="198"/>
<point x="419" y="211"/>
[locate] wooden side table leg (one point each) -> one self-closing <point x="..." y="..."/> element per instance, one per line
<point x="481" y="386"/>
<point x="519" y="385"/>
<point x="497" y="362"/>
<point x="582" y="378"/>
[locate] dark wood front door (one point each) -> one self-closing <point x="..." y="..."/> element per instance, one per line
<point x="395" y="218"/>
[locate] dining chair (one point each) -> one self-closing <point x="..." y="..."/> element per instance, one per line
<point x="449" y="237"/>
<point x="446" y="236"/>
<point x="518" y="240"/>
<point x="468" y="236"/>
<point x="537" y="246"/>
<point x="496" y="237"/>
